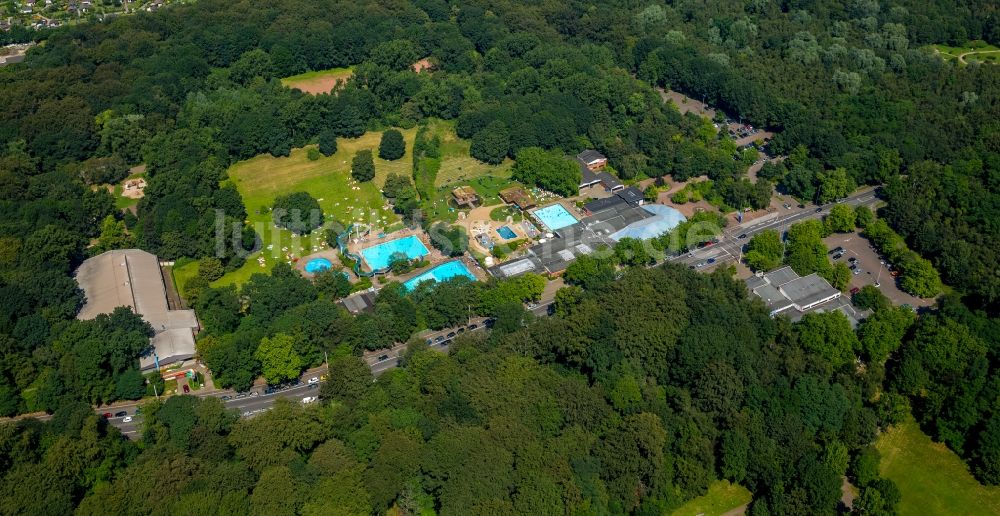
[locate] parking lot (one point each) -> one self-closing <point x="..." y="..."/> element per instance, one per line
<point x="856" y="246"/>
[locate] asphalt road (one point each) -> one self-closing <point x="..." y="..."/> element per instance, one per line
<point x="728" y="249"/>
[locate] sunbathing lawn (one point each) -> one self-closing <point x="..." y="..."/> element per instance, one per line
<point x="456" y="163"/>
<point x="318" y="82"/>
<point x="262" y="178"/>
<point x="722" y="497"/>
<point x="931" y="478"/>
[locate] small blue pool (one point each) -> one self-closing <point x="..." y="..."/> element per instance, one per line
<point x="317" y="265"/>
<point x="555" y="217"/>
<point x="506" y="233"/>
<point x="442" y="272"/>
<point x="378" y="256"/>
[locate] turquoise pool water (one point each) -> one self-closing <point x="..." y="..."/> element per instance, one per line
<point x="506" y="233"/>
<point x="378" y="256"/>
<point x="317" y="265"/>
<point x="555" y="217"/>
<point x="442" y="272"/>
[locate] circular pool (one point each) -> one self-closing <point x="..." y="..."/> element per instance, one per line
<point x="317" y="265"/>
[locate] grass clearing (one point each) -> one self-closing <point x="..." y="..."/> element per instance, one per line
<point x="931" y="478"/>
<point x="722" y="497"/>
<point x="973" y="51"/>
<point x="321" y="81"/>
<point x="263" y="178"/>
<point x="457" y="165"/>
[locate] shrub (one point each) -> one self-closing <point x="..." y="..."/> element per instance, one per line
<point x="363" y="166"/>
<point x="313" y="154"/>
<point x="328" y="142"/>
<point x="392" y="146"/>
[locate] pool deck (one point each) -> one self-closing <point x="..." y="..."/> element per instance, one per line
<point x="478" y="222"/>
<point x="329" y="254"/>
<point x="473" y="266"/>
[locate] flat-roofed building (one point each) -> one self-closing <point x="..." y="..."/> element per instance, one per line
<point x="132" y="278"/>
<point x="784" y="291"/>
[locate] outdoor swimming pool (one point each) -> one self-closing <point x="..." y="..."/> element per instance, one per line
<point x="506" y="233"/>
<point x="378" y="256"/>
<point x="442" y="272"/>
<point x="317" y="265"/>
<point x="555" y="217"/>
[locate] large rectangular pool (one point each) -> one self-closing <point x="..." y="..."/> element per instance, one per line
<point x="442" y="272"/>
<point x="555" y="217"/>
<point x="378" y="256"/>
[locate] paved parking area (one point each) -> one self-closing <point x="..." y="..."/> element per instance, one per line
<point x="868" y="260"/>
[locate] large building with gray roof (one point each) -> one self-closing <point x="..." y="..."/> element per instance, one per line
<point x="786" y="293"/>
<point x="132" y="278"/>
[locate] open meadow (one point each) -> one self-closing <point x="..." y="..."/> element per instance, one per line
<point x="931" y="478"/>
<point x="315" y="83"/>
<point x="722" y="497"/>
<point x="263" y="178"/>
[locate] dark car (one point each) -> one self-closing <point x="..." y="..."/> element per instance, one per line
<point x="461" y="330"/>
<point x="741" y="237"/>
<point x="853" y="259"/>
<point x="226" y="398"/>
<point x="489" y="323"/>
<point x="819" y="210"/>
<point x="451" y="335"/>
<point x="383" y="358"/>
<point x="186" y="389"/>
<point x="711" y="261"/>
<point x="439" y="338"/>
<point x="838" y="250"/>
<point x="838" y="256"/>
<point x="121" y="414"/>
<point x="473" y="327"/>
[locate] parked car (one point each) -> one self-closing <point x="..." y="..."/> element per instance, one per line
<point x="473" y="327"/>
<point x="186" y="389"/>
<point x="309" y="399"/>
<point x="700" y="264"/>
<point x="838" y="256"/>
<point x="710" y="261"/>
<point x="107" y="415"/>
<point x="839" y="250"/>
<point x="383" y="358"/>
<point x="858" y="271"/>
<point x="313" y="380"/>
<point x="461" y="330"/>
<point x="127" y="419"/>
<point x="439" y="338"/>
<point x="451" y="335"/>
<point x="853" y="259"/>
<point x="121" y="413"/>
<point x="741" y="237"/>
<point x="855" y="290"/>
<point x="323" y="377"/>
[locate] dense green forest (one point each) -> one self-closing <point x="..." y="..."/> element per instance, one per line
<point x="602" y="409"/>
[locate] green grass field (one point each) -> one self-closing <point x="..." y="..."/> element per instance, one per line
<point x="321" y="81"/>
<point x="991" y="52"/>
<point x="457" y="169"/>
<point x="931" y="478"/>
<point x="457" y="166"/>
<point x="721" y="498"/>
<point x="261" y="179"/>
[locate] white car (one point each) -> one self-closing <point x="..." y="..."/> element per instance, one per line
<point x="313" y="380"/>
<point x="127" y="419"/>
<point x="309" y="399"/>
